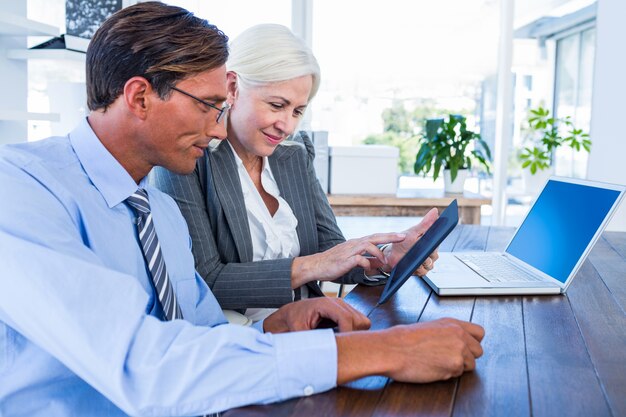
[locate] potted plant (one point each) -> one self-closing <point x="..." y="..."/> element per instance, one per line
<point x="545" y="134"/>
<point x="448" y="144"/>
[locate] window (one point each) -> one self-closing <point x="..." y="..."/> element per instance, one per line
<point x="234" y="16"/>
<point x="572" y="95"/>
<point x="430" y="56"/>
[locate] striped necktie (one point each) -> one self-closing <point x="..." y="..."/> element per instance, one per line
<point x="151" y="249"/>
<point x="152" y="253"/>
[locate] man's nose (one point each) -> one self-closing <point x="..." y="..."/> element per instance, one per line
<point x="215" y="129"/>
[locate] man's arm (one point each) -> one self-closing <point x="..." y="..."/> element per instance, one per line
<point x="422" y="352"/>
<point x="92" y="319"/>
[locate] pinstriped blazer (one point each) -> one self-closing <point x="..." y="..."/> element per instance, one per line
<point x="212" y="202"/>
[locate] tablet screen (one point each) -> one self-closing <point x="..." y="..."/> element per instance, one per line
<point x="421" y="250"/>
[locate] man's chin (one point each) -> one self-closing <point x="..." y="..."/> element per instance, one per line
<point x="181" y="169"/>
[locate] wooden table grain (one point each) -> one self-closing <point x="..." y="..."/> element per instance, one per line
<point x="544" y="355"/>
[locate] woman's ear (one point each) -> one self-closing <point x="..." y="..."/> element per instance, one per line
<point x="232" y="87"/>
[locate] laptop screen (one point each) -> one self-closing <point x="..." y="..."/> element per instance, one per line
<point x="560" y="226"/>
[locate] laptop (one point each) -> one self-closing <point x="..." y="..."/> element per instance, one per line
<point x="546" y="251"/>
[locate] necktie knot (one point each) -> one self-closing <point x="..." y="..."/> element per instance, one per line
<point x="139" y="201"/>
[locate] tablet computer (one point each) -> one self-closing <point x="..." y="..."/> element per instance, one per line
<point x="416" y="256"/>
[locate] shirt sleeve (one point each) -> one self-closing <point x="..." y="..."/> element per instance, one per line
<point x="59" y="295"/>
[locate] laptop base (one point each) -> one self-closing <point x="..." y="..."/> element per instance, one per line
<point x="453" y="277"/>
<point x="512" y="290"/>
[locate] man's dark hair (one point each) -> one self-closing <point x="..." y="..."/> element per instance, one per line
<point x="162" y="43"/>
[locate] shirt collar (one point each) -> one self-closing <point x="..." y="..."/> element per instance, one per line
<point x="105" y="172"/>
<point x="265" y="167"/>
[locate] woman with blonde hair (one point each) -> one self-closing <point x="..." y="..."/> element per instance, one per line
<point x="263" y="232"/>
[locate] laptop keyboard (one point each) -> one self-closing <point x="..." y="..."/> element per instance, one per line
<point x="495" y="268"/>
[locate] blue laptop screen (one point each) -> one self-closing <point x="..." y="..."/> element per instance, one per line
<point x="560" y="226"/>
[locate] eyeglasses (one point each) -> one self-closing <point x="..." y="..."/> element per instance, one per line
<point x="222" y="111"/>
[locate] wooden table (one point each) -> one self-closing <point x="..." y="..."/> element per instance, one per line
<point x="408" y="202"/>
<point x="544" y="355"/>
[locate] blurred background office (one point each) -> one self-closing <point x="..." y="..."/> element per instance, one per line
<point x="387" y="67"/>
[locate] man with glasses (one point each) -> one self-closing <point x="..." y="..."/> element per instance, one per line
<point x="101" y="311"/>
<point x="223" y="111"/>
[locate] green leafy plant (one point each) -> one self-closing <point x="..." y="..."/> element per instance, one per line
<point x="448" y="144"/>
<point x="402" y="127"/>
<point x="547" y="133"/>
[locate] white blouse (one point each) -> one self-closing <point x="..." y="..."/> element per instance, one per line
<point x="273" y="237"/>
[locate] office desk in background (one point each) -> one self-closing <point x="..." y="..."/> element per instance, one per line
<point x="544" y="355"/>
<point x="408" y="202"/>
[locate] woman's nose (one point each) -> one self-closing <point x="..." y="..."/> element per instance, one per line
<point x="286" y="123"/>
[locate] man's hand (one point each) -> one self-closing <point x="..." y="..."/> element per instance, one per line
<point x="395" y="252"/>
<point x="422" y="352"/>
<point x="435" y="350"/>
<point x="337" y="261"/>
<point x="307" y="315"/>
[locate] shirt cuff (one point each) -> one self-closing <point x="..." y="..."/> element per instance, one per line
<point x="307" y="362"/>
<point x="258" y="325"/>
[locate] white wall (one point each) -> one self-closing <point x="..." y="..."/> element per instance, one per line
<point x="607" y="161"/>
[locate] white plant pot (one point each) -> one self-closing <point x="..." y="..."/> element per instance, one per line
<point x="458" y="185"/>
<point x="533" y="183"/>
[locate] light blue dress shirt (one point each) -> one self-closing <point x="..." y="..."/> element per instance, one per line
<point x="79" y="327"/>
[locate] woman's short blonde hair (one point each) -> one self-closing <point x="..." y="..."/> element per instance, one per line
<point x="269" y="53"/>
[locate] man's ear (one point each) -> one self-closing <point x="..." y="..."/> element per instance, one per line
<point x="137" y="96"/>
<point x="232" y="87"/>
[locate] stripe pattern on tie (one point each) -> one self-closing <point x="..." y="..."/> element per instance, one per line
<point x="151" y="249"/>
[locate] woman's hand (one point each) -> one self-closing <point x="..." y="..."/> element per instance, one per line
<point x="337" y="261"/>
<point x="395" y="252"/>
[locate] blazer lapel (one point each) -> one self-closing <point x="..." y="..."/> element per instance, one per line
<point x="289" y="174"/>
<point x="228" y="188"/>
